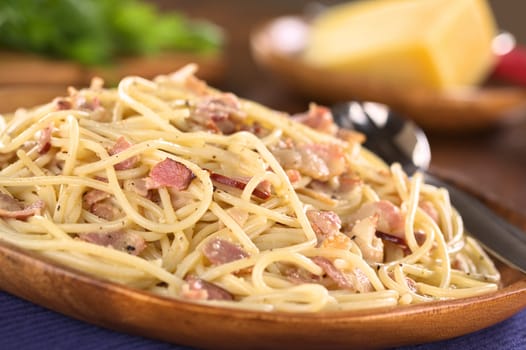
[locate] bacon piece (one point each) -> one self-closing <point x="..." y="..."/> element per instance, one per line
<point x="93" y="196"/>
<point x="331" y="154"/>
<point x="354" y="280"/>
<point x="31" y="210"/>
<point x="9" y="203"/>
<point x="390" y="219"/>
<point x="219" y="107"/>
<point x="219" y="113"/>
<point x="288" y="157"/>
<point x="199" y="289"/>
<point x="136" y="185"/>
<point x="318" y="118"/>
<point x="320" y="161"/>
<point x="324" y="223"/>
<point x="389" y="226"/>
<point x="333" y="272"/>
<point x="363" y="234"/>
<point x="124" y="241"/>
<point x="169" y="173"/>
<point x="12" y="208"/>
<point x="44" y="141"/>
<point x="262" y="190"/>
<point x="219" y="251"/>
<point x="99" y="203"/>
<point x="345" y="184"/>
<point x="121" y="145"/>
<point x="105" y="210"/>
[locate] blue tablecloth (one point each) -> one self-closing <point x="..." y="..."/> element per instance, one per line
<point x="24" y="325"/>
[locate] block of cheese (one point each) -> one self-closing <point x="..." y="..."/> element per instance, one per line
<point x="434" y="44"/>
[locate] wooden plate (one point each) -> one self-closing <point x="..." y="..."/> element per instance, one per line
<point x="28" y="80"/>
<point x="277" y="46"/>
<point x="113" y="306"/>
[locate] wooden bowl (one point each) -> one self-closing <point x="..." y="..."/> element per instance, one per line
<point x="117" y="307"/>
<point x="277" y="46"/>
<point x="28" y="80"/>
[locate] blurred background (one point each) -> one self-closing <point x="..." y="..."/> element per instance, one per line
<point x="508" y="13"/>
<point x="239" y="18"/>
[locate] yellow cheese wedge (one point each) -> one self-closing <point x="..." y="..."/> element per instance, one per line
<point x="435" y="44"/>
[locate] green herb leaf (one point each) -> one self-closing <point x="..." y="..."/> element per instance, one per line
<point x="95" y="32"/>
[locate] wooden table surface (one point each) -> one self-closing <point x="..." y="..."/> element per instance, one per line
<point x="492" y="162"/>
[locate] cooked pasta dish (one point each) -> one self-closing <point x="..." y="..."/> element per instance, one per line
<point x="178" y="189"/>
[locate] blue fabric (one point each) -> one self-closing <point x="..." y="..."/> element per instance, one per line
<point x="24" y="325"/>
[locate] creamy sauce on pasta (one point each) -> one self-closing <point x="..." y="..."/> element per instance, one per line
<point x="178" y="189"/>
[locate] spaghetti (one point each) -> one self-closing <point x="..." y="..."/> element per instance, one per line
<point x="178" y="189"/>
